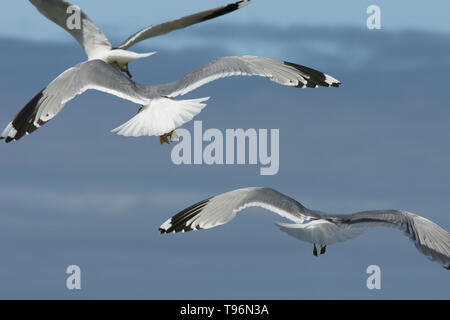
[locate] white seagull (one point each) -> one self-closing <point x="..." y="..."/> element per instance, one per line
<point x="159" y="113"/>
<point x="96" y="44"/>
<point x="310" y="225"/>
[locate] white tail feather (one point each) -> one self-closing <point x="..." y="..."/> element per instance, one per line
<point x="161" y="116"/>
<point x="319" y="231"/>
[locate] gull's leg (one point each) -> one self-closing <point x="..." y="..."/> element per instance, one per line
<point x="165" y="137"/>
<point x="123" y="68"/>
<point x="315" y="250"/>
<point x="323" y="249"/>
<point x="126" y="70"/>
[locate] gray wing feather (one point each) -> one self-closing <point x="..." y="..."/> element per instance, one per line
<point x="166" y="27"/>
<point x="89" y="35"/>
<point x="94" y="74"/>
<point x="285" y="73"/>
<point x="428" y="237"/>
<point x="224" y="207"/>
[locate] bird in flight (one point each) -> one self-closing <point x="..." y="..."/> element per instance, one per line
<point x="97" y="46"/>
<point x="312" y="226"/>
<point x="160" y="114"/>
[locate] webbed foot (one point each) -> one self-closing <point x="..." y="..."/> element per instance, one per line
<point x="165" y="137"/>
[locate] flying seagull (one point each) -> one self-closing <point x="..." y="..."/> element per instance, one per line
<point x="312" y="226"/>
<point x="159" y="113"/>
<point x="96" y="44"/>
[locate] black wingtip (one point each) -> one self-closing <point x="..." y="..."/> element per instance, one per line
<point x="243" y="3"/>
<point x="178" y="223"/>
<point x="23" y="123"/>
<point x="316" y="78"/>
<point x="9" y="139"/>
<point x="226" y="9"/>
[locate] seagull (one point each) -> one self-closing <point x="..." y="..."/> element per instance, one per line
<point x="160" y="114"/>
<point x="312" y="226"/>
<point x="97" y="46"/>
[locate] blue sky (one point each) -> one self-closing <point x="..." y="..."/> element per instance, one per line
<point x="74" y="193"/>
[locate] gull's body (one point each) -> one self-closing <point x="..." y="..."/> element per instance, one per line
<point x="310" y="225"/>
<point x="97" y="46"/>
<point x="160" y="113"/>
